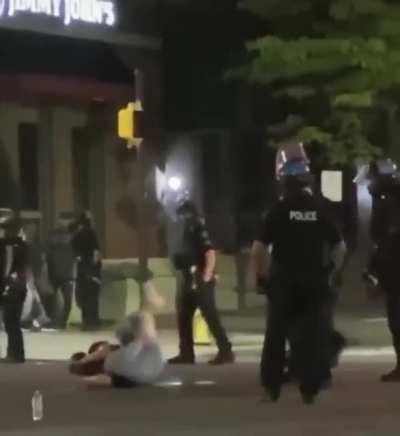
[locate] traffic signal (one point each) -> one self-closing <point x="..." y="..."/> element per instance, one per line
<point x="130" y="123"/>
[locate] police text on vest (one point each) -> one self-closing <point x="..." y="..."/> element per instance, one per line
<point x="304" y="216"/>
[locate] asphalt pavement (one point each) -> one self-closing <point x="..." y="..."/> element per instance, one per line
<point x="195" y="400"/>
<point x="192" y="401"/>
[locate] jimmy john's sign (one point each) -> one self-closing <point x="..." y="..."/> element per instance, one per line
<point x="97" y="12"/>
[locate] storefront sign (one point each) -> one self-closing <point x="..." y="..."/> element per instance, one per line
<point x="101" y="12"/>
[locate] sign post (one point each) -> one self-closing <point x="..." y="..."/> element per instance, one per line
<point x="132" y="128"/>
<point x="142" y="227"/>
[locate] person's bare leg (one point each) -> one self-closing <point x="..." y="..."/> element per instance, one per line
<point x="153" y="303"/>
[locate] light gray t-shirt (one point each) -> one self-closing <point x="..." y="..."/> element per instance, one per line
<point x="138" y="362"/>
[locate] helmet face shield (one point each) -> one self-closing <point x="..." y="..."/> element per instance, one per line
<point x="295" y="169"/>
<point x="381" y="176"/>
<point x="383" y="169"/>
<point x="386" y="167"/>
<point x="185" y="208"/>
<point x="291" y="160"/>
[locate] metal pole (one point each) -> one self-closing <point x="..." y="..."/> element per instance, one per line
<point x="141" y="194"/>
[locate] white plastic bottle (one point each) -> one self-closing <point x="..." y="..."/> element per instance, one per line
<point x="37" y="406"/>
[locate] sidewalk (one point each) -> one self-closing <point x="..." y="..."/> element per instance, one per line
<point x="367" y="328"/>
<point x="367" y="332"/>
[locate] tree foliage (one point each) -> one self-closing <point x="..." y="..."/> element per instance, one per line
<point x="335" y="59"/>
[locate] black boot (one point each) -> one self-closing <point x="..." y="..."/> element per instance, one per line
<point x="271" y="394"/>
<point x="327" y="381"/>
<point x="223" y="358"/>
<point x="308" y="394"/>
<point x="308" y="399"/>
<point x="339" y="343"/>
<point x="392" y="376"/>
<point x="13" y="359"/>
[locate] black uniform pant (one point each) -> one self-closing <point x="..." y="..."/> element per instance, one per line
<point x="393" y="316"/>
<point x="337" y="340"/>
<point x="302" y="312"/>
<point x="13" y="305"/>
<point x="65" y="286"/>
<point x="87" y="294"/>
<point x="188" y="300"/>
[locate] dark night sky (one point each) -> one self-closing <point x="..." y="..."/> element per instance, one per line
<point x="199" y="47"/>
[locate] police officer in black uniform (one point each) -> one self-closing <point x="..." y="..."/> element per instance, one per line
<point x="196" y="259"/>
<point x="60" y="260"/>
<point x="88" y="280"/>
<point x="292" y="259"/>
<point x="338" y="341"/>
<point x="383" y="268"/>
<point x="14" y="259"/>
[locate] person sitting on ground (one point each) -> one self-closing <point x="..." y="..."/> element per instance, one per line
<point x="136" y="360"/>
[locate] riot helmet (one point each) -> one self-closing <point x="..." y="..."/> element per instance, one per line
<point x="82" y="222"/>
<point x="186" y="209"/>
<point x="293" y="167"/>
<point x="384" y="178"/>
<point x="384" y="167"/>
<point x="384" y="188"/>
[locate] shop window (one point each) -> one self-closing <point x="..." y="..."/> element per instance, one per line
<point x="81" y="168"/>
<point x="28" y="149"/>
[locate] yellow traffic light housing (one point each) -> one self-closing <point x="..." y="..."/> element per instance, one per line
<point x="125" y="122"/>
<point x="130" y="120"/>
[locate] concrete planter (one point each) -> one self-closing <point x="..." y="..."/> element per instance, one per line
<point x="120" y="293"/>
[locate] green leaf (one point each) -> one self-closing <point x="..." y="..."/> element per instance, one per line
<point x="334" y="61"/>
<point x="311" y="134"/>
<point x="273" y="8"/>
<point x="361" y="100"/>
<point x="341" y="10"/>
<point x="297" y="92"/>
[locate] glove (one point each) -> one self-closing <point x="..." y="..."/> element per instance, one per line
<point x="372" y="285"/>
<point x="370" y="279"/>
<point x="96" y="280"/>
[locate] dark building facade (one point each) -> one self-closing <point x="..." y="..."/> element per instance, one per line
<point x="66" y="67"/>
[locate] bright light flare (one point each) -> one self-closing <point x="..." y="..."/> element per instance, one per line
<point x="175" y="183"/>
